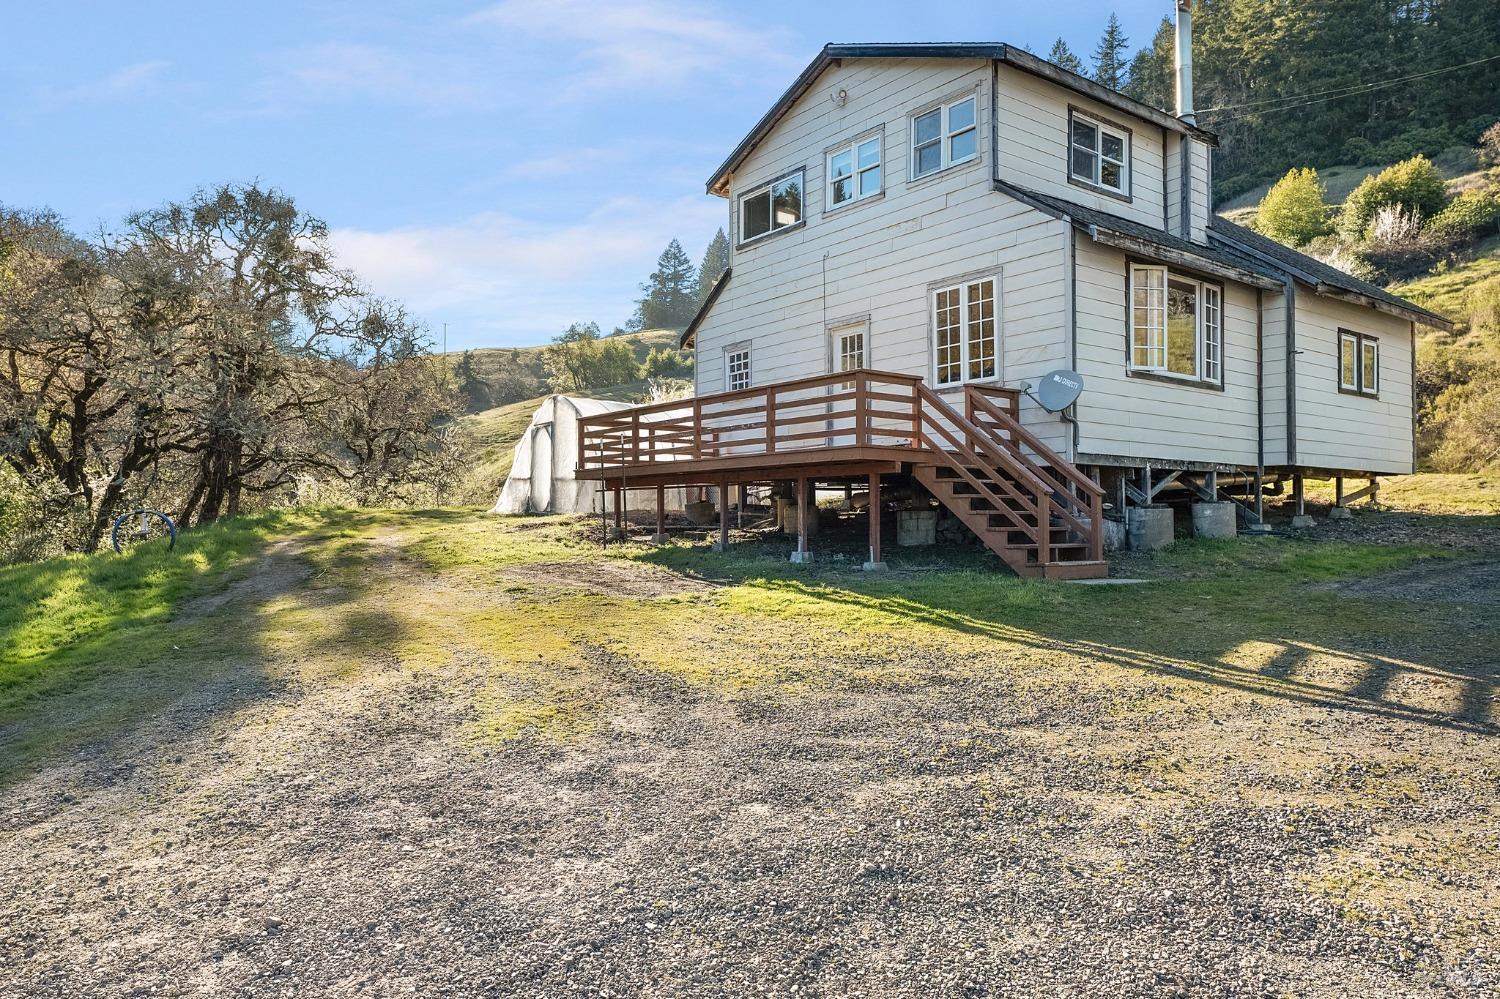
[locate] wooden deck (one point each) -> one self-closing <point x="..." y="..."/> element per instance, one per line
<point x="1025" y="502"/>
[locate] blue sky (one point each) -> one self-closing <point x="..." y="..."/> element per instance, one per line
<point x="506" y="168"/>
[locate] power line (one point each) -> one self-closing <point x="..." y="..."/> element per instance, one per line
<point x="1287" y="102"/>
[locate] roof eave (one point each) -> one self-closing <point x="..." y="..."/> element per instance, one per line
<point x="686" y="340"/>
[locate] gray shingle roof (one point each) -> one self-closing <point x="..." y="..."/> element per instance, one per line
<point x="1310" y="270"/>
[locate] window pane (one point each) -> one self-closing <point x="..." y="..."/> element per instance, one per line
<point x="1112" y="146"/>
<point x="843" y="190"/>
<point x="949" y="356"/>
<point x="869" y="153"/>
<point x="981" y="330"/>
<point x="929" y="158"/>
<point x="1148" y="332"/>
<point x="1182" y="328"/>
<point x="841" y="164"/>
<point x="787" y="198"/>
<point x="1111" y="175"/>
<point x="738" y="365"/>
<point x="1346" y="362"/>
<point x="1085" y="135"/>
<point x="1212" y="335"/>
<point x="1370" y="368"/>
<point x="962" y="146"/>
<point x="757" y="215"/>
<point x="869" y="181"/>
<point x="926" y="127"/>
<point x="1083" y="164"/>
<point x="961" y="116"/>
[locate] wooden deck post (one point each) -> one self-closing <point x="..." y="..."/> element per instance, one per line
<point x="802" y="556"/>
<point x="1300" y="517"/>
<point x="619" y="531"/>
<point x="661" y="516"/>
<point x="875" y="564"/>
<point x="1338" y="490"/>
<point x="722" y="545"/>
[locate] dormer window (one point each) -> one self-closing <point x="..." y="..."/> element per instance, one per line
<point x="1098" y="154"/>
<point x="775" y="206"/>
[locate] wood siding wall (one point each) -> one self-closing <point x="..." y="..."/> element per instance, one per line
<point x="876" y="259"/>
<point x="1033" y="143"/>
<point x="1342" y="431"/>
<point x="1273" y="340"/>
<point x="1146" y="418"/>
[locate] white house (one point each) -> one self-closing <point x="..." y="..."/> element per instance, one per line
<point x="973" y="217"/>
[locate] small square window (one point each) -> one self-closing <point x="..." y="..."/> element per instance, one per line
<point x="1098" y="154"/>
<point x="737" y="368"/>
<point x="944" y="137"/>
<point x="774" y="206"/>
<point x="1359" y="363"/>
<point x="853" y="173"/>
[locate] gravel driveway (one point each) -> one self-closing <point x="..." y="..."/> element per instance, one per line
<point x="967" y="832"/>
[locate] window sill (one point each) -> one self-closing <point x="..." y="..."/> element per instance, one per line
<point x="1192" y="383"/>
<point x="946" y="171"/>
<point x="846" y="206"/>
<point x="1358" y="394"/>
<point x="766" y="237"/>
<point x="1108" y="192"/>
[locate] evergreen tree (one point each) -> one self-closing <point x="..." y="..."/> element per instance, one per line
<point x="1062" y="57"/>
<point x="1110" y="56"/>
<point x="671" y="292"/>
<point x="1153" y="68"/>
<point x="715" y="262"/>
<point x="473" y="388"/>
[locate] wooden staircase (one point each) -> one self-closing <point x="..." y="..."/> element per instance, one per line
<point x="1028" y="504"/>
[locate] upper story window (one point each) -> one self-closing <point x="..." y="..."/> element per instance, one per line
<point x="1176" y="326"/>
<point x="777" y="205"/>
<point x="736" y="368"/>
<point x="1359" y="363"/>
<point x="963" y="323"/>
<point x="854" y="172"/>
<point x="1098" y="154"/>
<point x="944" y="137"/>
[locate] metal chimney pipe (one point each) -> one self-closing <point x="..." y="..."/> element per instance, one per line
<point x="1185" y="62"/>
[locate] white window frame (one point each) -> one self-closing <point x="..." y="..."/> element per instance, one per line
<point x="857" y="172"/>
<point x="769" y="189"/>
<point x="963" y="288"/>
<point x="945" y="137"/>
<point x="1101" y="128"/>
<point x="1148" y="355"/>
<point x="1361" y="343"/>
<point x="733" y="366"/>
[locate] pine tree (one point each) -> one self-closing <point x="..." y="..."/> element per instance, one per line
<point x="1109" y="57"/>
<point x="1062" y="57"/>
<point x="671" y="292"/>
<point x="472" y="386"/>
<point x="715" y="262"/>
<point x="1152" y="69"/>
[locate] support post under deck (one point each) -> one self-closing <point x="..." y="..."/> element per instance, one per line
<point x="660" y="537"/>
<point x="619" y="531"/>
<point x="1300" y="517"/>
<point x="874" y="564"/>
<point x="722" y="545"/>
<point x="802" y="556"/>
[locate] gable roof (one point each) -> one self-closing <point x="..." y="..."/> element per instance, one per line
<point x="834" y="53"/>
<point x="1323" y="278"/>
<point x="686" y="340"/>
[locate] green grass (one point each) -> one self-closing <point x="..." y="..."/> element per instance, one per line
<point x="1447" y="293"/>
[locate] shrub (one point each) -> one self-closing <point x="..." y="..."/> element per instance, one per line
<point x="1489" y="145"/>
<point x="1471" y="214"/>
<point x="1293" y="211"/>
<point x="1360" y="151"/>
<point x="1414" y="184"/>
<point x="664" y="362"/>
<point x="1395" y="226"/>
<point x="1341" y="256"/>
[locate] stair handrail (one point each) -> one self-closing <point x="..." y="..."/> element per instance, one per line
<point x="963" y="430"/>
<point x="1094" y="509"/>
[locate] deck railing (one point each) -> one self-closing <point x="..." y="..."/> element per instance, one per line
<point x="861" y="408"/>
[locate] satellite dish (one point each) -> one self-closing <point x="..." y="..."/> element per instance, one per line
<point x="1059" y="390"/>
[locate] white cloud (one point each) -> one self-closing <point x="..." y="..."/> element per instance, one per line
<point x="505" y="279"/>
<point x="126" y="82"/>
<point x="643" y="43"/>
<point x="337" y="71"/>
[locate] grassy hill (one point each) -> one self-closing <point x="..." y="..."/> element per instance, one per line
<point x="497" y="429"/>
